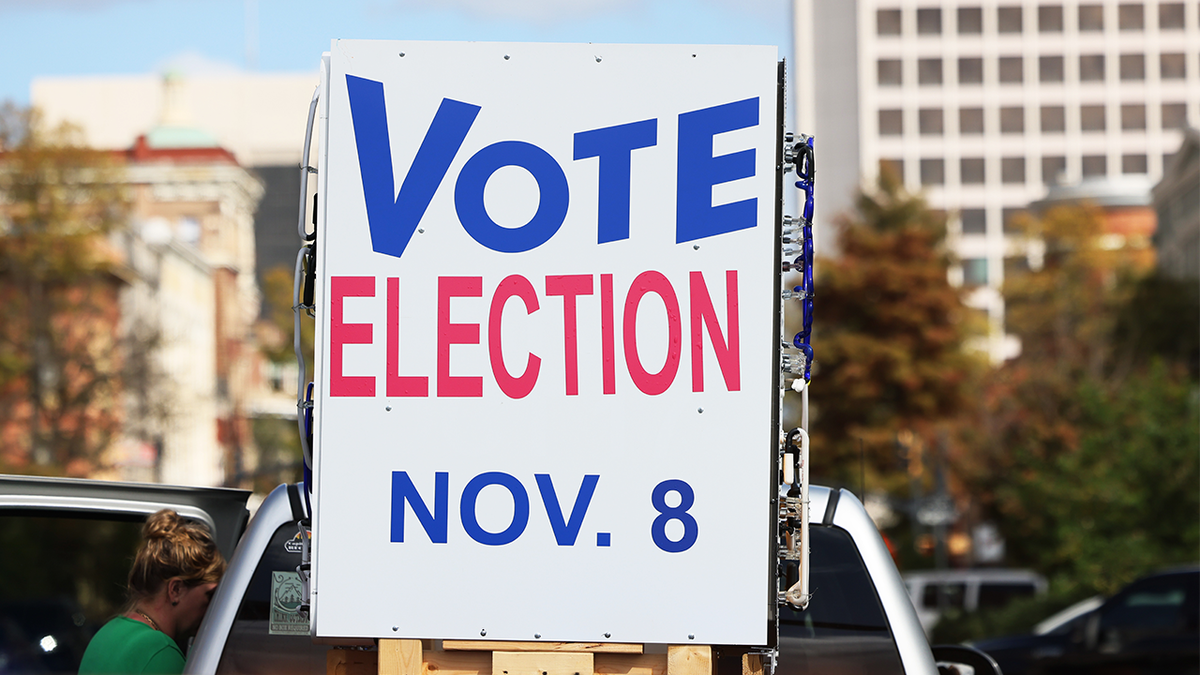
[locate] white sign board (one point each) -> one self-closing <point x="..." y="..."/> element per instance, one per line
<point x="546" y="342"/>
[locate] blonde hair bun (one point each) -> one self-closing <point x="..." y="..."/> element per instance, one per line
<point x="163" y="524"/>
<point x="173" y="546"/>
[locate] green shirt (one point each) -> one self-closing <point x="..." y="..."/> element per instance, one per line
<point x="126" y="647"/>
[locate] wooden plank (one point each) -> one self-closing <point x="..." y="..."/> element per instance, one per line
<point x="497" y="646"/>
<point x="542" y="663"/>
<point x="631" y="664"/>
<point x="689" y="660"/>
<point x="752" y="664"/>
<point x="457" y="663"/>
<point x="400" y="657"/>
<point x="350" y="662"/>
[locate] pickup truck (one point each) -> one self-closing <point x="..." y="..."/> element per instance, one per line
<point x="65" y="546"/>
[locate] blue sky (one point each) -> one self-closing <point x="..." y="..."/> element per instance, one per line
<point x="111" y="37"/>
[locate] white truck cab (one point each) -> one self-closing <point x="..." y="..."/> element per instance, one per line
<point x="968" y="590"/>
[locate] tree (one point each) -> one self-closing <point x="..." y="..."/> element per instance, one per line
<point x="62" y="355"/>
<point x="278" y="440"/>
<point x="277" y="296"/>
<point x="1087" y="449"/>
<point x="1066" y="312"/>
<point x="889" y="334"/>
<point x="1161" y="321"/>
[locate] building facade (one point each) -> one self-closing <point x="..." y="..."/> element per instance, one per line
<point x="985" y="104"/>
<point x="212" y="164"/>
<point x="1177" y="202"/>
<point x="190" y="284"/>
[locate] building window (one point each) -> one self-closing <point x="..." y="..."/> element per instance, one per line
<point x="1131" y="17"/>
<point x="929" y="21"/>
<point x="895" y="167"/>
<point x="1133" y="117"/>
<point x="189" y="230"/>
<point x="1012" y="120"/>
<point x="1091" y="67"/>
<point x="1008" y="19"/>
<point x="970" y="20"/>
<point x="930" y="121"/>
<point x="972" y="170"/>
<point x="970" y="121"/>
<point x="1012" y="170"/>
<point x="1091" y="117"/>
<point x="891" y="122"/>
<point x="1170" y="16"/>
<point x="887" y="22"/>
<point x="890" y="72"/>
<point x="1172" y="66"/>
<point x="1094" y="165"/>
<point x="929" y="71"/>
<point x="1174" y="115"/>
<point x="1091" y="17"/>
<point x="933" y="172"/>
<point x="1050" y="68"/>
<point x="970" y="71"/>
<point x="1054" y="119"/>
<point x="1012" y="220"/>
<point x="1011" y="71"/>
<point x="1050" y="19"/>
<point x="1133" y="165"/>
<point x="974" y="271"/>
<point x="1133" y="67"/>
<point x="974" y="221"/>
<point x="1053" y="168"/>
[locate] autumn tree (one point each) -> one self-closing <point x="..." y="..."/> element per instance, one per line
<point x="1066" y="312"/>
<point x="62" y="356"/>
<point x="278" y="440"/>
<point x="277" y="297"/>
<point x="1086" y="451"/>
<point x="889" y="334"/>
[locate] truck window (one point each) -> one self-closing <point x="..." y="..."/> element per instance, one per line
<point x="997" y="594"/>
<point x="844" y="629"/>
<point x="954" y="592"/>
<point x="52" y="599"/>
<point x="269" y="636"/>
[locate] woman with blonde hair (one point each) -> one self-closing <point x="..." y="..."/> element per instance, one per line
<point x="171" y="582"/>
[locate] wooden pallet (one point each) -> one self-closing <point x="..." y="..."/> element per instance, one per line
<point x="478" y="657"/>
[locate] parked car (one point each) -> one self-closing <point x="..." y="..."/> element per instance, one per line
<point x="860" y="619"/>
<point x="968" y="590"/>
<point x="1055" y="622"/>
<point x="1050" y="638"/>
<point x="1150" y="626"/>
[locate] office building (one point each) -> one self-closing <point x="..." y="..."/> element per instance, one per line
<point x="985" y="104"/>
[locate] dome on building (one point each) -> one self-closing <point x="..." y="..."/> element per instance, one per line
<point x="164" y="138"/>
<point x="174" y="129"/>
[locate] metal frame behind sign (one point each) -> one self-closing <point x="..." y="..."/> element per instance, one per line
<point x="548" y="337"/>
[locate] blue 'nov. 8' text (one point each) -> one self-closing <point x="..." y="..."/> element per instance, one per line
<point x="566" y="526"/>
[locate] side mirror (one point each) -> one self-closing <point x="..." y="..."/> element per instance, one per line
<point x="964" y="660"/>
